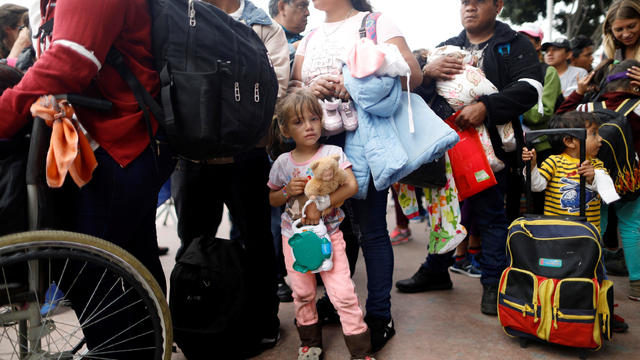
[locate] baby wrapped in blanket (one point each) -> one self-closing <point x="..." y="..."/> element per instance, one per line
<point x="465" y="89"/>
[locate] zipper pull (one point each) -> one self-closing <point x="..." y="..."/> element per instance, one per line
<point x="535" y="313"/>
<point x="256" y="93"/>
<point x="555" y="318"/>
<point x="192" y="14"/>
<point x="236" y="91"/>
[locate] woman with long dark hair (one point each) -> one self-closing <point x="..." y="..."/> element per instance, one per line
<point x="318" y="65"/>
<point x="12" y="22"/>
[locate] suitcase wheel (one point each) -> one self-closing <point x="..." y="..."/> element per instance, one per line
<point x="582" y="354"/>
<point x="524" y="343"/>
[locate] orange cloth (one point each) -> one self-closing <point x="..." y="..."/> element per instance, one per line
<point x="69" y="150"/>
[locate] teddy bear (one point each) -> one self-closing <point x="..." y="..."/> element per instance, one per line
<point x="327" y="177"/>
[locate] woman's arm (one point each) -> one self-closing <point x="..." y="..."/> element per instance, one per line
<point x="296" y="72"/>
<point x="416" y="73"/>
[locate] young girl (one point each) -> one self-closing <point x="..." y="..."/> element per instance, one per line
<point x="299" y="118"/>
<point x="316" y="64"/>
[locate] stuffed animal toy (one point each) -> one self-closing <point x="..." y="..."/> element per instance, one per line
<point x="327" y="177"/>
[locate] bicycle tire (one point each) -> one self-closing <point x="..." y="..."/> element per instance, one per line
<point x="38" y="245"/>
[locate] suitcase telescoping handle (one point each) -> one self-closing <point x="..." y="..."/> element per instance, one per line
<point x="580" y="134"/>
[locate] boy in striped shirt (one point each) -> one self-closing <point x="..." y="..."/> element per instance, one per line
<point x="559" y="175"/>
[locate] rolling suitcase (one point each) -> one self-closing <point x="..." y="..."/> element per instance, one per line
<point x="553" y="289"/>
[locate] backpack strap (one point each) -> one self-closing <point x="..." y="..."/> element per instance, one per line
<point x="597" y="105"/>
<point x="44" y="31"/>
<point x="627" y="106"/>
<point x="368" y="26"/>
<point x="145" y="101"/>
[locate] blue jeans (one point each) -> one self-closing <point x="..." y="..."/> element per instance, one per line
<point x="628" y="213"/>
<point x="369" y="224"/>
<point x="489" y="218"/>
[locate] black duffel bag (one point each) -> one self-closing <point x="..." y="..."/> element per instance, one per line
<point x="208" y="300"/>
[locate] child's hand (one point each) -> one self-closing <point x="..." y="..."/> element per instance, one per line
<point x="586" y="170"/>
<point x="529" y="155"/>
<point x="584" y="84"/>
<point x="296" y="186"/>
<point x="312" y="215"/>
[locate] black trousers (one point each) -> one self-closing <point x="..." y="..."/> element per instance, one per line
<point x="117" y="205"/>
<point x="199" y="192"/>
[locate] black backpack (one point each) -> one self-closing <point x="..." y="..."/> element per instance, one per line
<point x="208" y="300"/>
<point x="617" y="151"/>
<point x="219" y="87"/>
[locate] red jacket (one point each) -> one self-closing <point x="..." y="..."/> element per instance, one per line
<point x="612" y="100"/>
<point x="82" y="34"/>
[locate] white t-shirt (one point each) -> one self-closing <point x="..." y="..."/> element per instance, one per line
<point x="568" y="80"/>
<point x="285" y="168"/>
<point x="236" y="14"/>
<point x="326" y="45"/>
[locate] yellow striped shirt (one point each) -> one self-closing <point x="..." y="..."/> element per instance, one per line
<point x="562" y="195"/>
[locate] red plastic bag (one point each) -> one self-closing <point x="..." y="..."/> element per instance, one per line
<point x="471" y="170"/>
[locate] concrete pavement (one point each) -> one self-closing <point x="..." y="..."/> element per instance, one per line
<point x="437" y="325"/>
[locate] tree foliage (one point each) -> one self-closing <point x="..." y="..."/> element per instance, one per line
<point x="580" y="16"/>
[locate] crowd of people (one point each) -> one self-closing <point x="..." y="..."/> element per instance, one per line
<point x="537" y="86"/>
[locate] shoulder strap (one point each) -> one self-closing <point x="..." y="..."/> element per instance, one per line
<point x="596" y="105"/>
<point x="45" y="30"/>
<point x="628" y="106"/>
<point x="145" y="101"/>
<point x="368" y="26"/>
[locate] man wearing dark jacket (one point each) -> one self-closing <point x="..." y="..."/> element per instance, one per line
<point x="510" y="63"/>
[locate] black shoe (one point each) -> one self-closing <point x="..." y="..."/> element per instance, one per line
<point x="425" y="280"/>
<point x="382" y="330"/>
<point x="163" y="250"/>
<point x="489" y="305"/>
<point x="327" y="314"/>
<point x="284" y="292"/>
<point x="614" y="262"/>
<point x="255" y="349"/>
<point x="618" y="325"/>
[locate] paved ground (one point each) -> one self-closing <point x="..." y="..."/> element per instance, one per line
<point x="438" y="325"/>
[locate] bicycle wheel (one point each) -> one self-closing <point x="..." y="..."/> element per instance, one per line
<point x="66" y="295"/>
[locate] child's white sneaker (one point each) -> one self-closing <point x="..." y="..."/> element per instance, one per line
<point x="349" y="115"/>
<point x="332" y="121"/>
